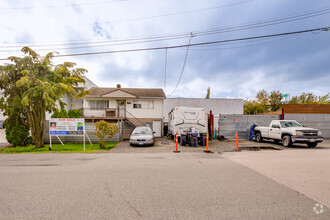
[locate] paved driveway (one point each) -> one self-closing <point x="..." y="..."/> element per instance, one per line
<point x="163" y="145"/>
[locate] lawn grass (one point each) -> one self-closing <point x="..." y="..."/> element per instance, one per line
<point x="58" y="148"/>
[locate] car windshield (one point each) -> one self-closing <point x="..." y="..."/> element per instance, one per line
<point x="142" y="130"/>
<point x="287" y="124"/>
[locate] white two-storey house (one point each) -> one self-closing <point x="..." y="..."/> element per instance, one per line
<point x="138" y="106"/>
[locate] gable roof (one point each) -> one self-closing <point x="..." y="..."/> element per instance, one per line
<point x="136" y="92"/>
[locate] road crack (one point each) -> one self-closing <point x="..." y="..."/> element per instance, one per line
<point x="130" y="205"/>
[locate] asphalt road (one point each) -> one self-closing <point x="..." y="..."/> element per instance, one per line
<point x="189" y="185"/>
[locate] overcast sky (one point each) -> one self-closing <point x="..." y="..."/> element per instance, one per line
<point x="292" y="63"/>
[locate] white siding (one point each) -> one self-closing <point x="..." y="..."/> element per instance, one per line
<point x="156" y="112"/>
<point x="94" y="112"/>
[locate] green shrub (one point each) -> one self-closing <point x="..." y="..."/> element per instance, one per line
<point x="55" y="114"/>
<point x="105" y="131"/>
<point x="17" y="131"/>
<point x="64" y="114"/>
<point x="74" y="113"/>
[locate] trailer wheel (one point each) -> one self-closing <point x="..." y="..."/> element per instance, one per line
<point x="286" y="141"/>
<point x="258" y="137"/>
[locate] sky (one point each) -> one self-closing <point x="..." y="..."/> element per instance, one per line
<point x="292" y="64"/>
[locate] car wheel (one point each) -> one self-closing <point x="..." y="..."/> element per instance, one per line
<point x="258" y="137"/>
<point x="286" y="141"/>
<point x="311" y="144"/>
<point x="132" y="145"/>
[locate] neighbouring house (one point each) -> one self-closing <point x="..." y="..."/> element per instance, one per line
<point x="78" y="104"/>
<point x="133" y="106"/>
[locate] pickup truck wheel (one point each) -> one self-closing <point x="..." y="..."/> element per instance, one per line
<point x="286" y="141"/>
<point x="312" y="144"/>
<point x="258" y="137"/>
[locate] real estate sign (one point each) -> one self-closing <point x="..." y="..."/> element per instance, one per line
<point x="67" y="126"/>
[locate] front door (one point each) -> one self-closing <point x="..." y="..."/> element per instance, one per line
<point x="121" y="109"/>
<point x="157" y="128"/>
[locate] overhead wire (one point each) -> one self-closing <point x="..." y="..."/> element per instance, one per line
<point x="153" y="38"/>
<point x="195" y="44"/>
<point x="140" y="18"/>
<point x="184" y="65"/>
<point x="64" y="5"/>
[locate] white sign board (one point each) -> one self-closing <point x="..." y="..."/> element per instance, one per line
<point x="67" y="126"/>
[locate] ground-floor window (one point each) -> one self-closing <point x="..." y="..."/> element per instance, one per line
<point x="97" y="104"/>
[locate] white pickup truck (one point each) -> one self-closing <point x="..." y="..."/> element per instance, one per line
<point x="289" y="132"/>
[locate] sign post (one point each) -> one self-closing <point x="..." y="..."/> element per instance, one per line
<point x="66" y="127"/>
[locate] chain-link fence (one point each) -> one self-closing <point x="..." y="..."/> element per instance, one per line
<point x="89" y="128"/>
<point x="228" y="124"/>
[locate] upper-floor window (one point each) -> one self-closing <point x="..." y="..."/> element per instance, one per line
<point x="97" y="104"/>
<point x="143" y="104"/>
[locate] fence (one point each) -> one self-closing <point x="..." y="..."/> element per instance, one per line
<point x="319" y="121"/>
<point x="89" y="128"/>
<point x="228" y="124"/>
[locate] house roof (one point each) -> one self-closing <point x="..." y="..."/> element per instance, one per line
<point x="135" y="92"/>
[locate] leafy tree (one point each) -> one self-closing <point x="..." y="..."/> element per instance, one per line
<point x="263" y="97"/>
<point x="40" y="86"/>
<point x="208" y="93"/>
<point x="275" y="100"/>
<point x="252" y="107"/>
<point x="304" y="98"/>
<point x="324" y="99"/>
<point x="105" y="131"/>
<point x="310" y="98"/>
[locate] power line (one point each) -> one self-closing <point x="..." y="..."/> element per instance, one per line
<point x="244" y="46"/>
<point x="178" y="36"/>
<point x="184" y="65"/>
<point x="196" y="44"/>
<point x="143" y="18"/>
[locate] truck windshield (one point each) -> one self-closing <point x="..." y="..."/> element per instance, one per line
<point x="286" y="124"/>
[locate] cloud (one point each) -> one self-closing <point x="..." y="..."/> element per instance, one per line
<point x="292" y="64"/>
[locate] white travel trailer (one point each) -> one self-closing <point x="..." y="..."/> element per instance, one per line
<point x="186" y="119"/>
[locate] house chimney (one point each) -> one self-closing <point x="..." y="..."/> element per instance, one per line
<point x="118" y="86"/>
